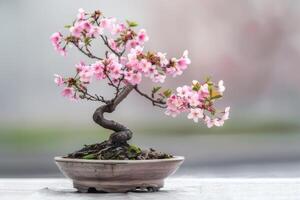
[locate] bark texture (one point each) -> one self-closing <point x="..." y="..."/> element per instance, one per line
<point x="121" y="133"/>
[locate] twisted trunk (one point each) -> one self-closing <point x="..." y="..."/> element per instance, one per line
<point x="121" y="133"/>
<point x="116" y="148"/>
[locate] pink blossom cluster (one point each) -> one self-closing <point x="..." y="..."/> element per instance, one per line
<point x="67" y="92"/>
<point x="153" y="65"/>
<point x="127" y="70"/>
<point x="56" y="40"/>
<point x="88" y="26"/>
<point x="126" y="63"/>
<point x="198" y="100"/>
<point x="131" y="67"/>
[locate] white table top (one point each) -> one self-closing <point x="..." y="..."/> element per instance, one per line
<point x="175" y="188"/>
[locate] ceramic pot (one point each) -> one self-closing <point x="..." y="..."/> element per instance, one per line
<point x="118" y="175"/>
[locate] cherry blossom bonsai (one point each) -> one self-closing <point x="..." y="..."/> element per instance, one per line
<point x="123" y="66"/>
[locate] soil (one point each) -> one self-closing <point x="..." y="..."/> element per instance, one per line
<point x="107" y="151"/>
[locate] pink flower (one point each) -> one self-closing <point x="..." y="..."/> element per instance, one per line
<point x="208" y="121"/>
<point x="81" y="14"/>
<point x="98" y="70"/>
<point x="226" y="113"/>
<point x="76" y="30"/>
<point x="142" y="36"/>
<point x="133" y="78"/>
<point x="134" y="52"/>
<point x="194" y="100"/>
<point x="183" y="91"/>
<point x="136" y="78"/>
<point x="86" y="74"/>
<point x="118" y="28"/>
<point x="113" y="45"/>
<point x="123" y="60"/>
<point x="95" y="31"/>
<point x="107" y="23"/>
<point x="163" y="60"/>
<point x="174" y="70"/>
<point x="132" y="44"/>
<point x="58" y="80"/>
<point x="133" y="64"/>
<point x="86" y="25"/>
<point x="158" y="78"/>
<point x="203" y="92"/>
<point x="56" y="39"/>
<point x="184" y="61"/>
<point x="146" y="67"/>
<point x="115" y="70"/>
<point x="218" y="122"/>
<point x="221" y="87"/>
<point x="112" y="58"/>
<point x="195" y="114"/>
<point x="68" y="92"/>
<point x="80" y="66"/>
<point x="176" y="103"/>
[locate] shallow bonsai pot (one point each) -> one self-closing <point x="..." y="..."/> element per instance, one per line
<point x="118" y="175"/>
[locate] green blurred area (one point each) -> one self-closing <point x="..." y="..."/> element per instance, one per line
<point x="32" y="138"/>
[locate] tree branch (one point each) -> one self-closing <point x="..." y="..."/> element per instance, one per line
<point x="122" y="134"/>
<point x="155" y="102"/>
<point x="106" y="44"/>
<point x="90" y="97"/>
<point x="87" y="53"/>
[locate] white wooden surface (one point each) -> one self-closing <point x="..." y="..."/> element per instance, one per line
<point x="175" y="188"/>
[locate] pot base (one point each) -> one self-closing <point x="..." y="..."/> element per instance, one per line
<point x="115" y="186"/>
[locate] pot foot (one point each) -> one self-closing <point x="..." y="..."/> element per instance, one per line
<point x="111" y="187"/>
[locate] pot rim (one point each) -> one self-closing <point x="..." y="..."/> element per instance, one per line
<point x="62" y="159"/>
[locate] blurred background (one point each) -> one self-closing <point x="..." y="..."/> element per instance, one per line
<point x="254" y="46"/>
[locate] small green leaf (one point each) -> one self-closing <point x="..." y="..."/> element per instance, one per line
<point x="210" y="89"/>
<point x="167" y="93"/>
<point x="68" y="26"/>
<point x="196" y="87"/>
<point x="216" y="97"/>
<point x="155" y="89"/>
<point x="207" y="79"/>
<point x="87" y="41"/>
<point x="90" y="156"/>
<point x="213" y="92"/>
<point x="131" y="23"/>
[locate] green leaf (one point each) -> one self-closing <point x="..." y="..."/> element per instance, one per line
<point x="131" y="23"/>
<point x="68" y="26"/>
<point x="196" y="87"/>
<point x="167" y="93"/>
<point x="155" y="89"/>
<point x="207" y="79"/>
<point x="216" y="97"/>
<point x="87" y="41"/>
<point x="210" y="89"/>
<point x="90" y="156"/>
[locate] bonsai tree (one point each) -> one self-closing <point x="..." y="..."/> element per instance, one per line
<point x="123" y="66"/>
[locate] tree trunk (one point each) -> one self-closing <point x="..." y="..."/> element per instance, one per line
<point x="122" y="134"/>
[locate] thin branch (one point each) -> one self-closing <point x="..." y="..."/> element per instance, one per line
<point x="87" y="53"/>
<point x="155" y="102"/>
<point x="90" y="97"/>
<point x="106" y="44"/>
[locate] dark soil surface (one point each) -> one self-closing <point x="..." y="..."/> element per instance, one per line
<point x="107" y="151"/>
